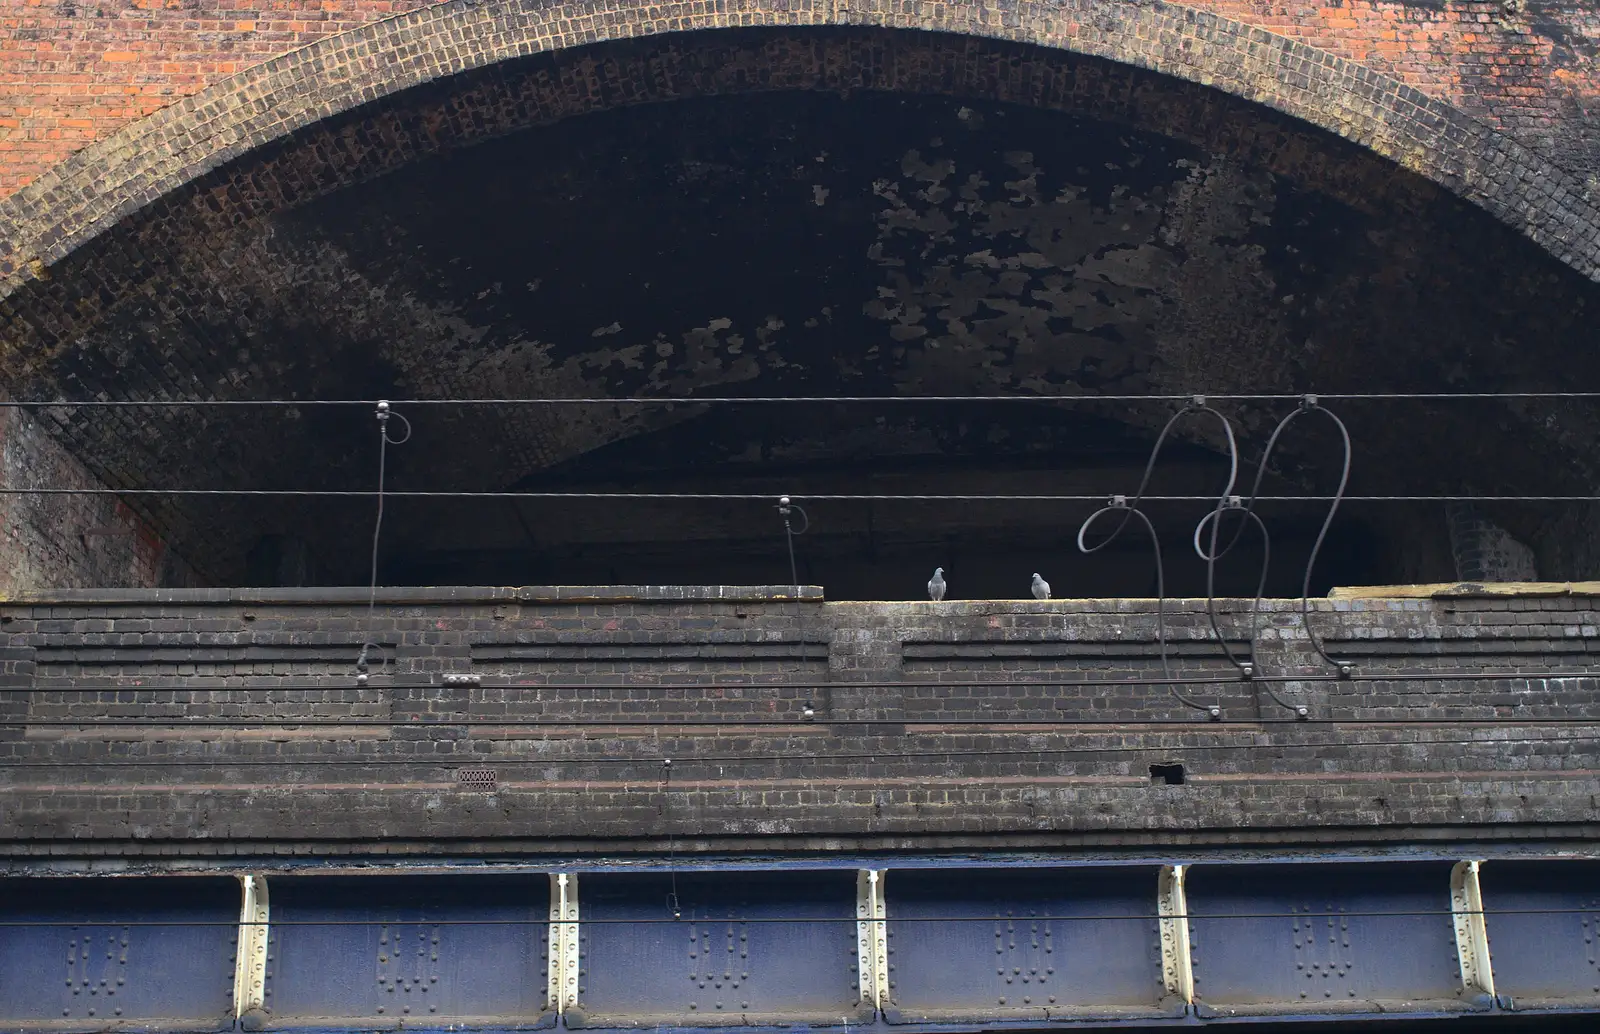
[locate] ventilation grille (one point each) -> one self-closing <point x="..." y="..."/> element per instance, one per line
<point x="476" y="778"/>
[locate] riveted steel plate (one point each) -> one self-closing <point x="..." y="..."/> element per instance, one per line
<point x="723" y="960"/>
<point x="1298" y="939"/>
<point x="131" y="952"/>
<point x="1543" y="919"/>
<point x="1041" y="944"/>
<point x="418" y="951"/>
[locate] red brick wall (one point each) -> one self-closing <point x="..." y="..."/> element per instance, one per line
<point x="73" y="72"/>
<point x="1528" y="67"/>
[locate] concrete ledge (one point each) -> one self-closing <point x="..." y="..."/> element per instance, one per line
<point x="430" y="594"/>
<point x="1465" y="590"/>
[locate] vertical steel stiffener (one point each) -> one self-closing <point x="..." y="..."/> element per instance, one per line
<point x="564" y="948"/>
<point x="250" y="957"/>
<point x="1472" y="934"/>
<point x="1177" y="967"/>
<point x="872" y="946"/>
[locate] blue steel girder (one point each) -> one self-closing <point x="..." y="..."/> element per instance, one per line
<point x="1096" y="952"/>
<point x="1309" y="939"/>
<point x="1543" y="922"/>
<point x="664" y="950"/>
<point x="963" y="947"/>
<point x="132" y="952"/>
<point x="415" y="951"/>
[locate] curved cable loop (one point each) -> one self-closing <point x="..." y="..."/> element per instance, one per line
<point x="1213" y="711"/>
<point x="1254" y="668"/>
<point x="1196" y="404"/>
<point x="1309" y="403"/>
<point x="1248" y="668"/>
<point x="384" y="441"/>
<point x="785" y="507"/>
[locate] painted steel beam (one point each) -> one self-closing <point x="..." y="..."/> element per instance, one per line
<point x="1373" y="939"/>
<point x="1542" y="921"/>
<point x="250" y="954"/>
<point x="1177" y="970"/>
<point x="563" y="942"/>
<point x="691" y="950"/>
<point x="872" y="946"/>
<point x="131" y="952"/>
<point x="1472" y="936"/>
<point x="823" y="949"/>
<point x="1025" y="946"/>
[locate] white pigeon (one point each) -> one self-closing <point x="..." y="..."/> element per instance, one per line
<point x="936" y="585"/>
<point x="1041" y="588"/>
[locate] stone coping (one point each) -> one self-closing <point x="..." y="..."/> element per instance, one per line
<point x="430" y="594"/>
<point x="1465" y="590"/>
<point x="574" y="594"/>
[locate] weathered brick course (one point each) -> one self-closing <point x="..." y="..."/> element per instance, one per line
<point x="970" y="739"/>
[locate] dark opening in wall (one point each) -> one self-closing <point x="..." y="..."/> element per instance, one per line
<point x="1166" y="775"/>
<point x="801" y="243"/>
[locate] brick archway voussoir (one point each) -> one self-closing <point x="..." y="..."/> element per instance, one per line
<point x="106" y="181"/>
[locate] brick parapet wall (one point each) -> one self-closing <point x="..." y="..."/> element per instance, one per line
<point x="928" y="721"/>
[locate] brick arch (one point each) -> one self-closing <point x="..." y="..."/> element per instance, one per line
<point x="113" y="178"/>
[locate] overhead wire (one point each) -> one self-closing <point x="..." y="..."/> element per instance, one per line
<point x="766" y="497"/>
<point x="637" y="400"/>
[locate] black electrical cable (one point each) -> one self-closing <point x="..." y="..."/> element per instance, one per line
<point x="383" y="413"/>
<point x="764" y="497"/>
<point x="1307" y="406"/>
<point x="636" y="400"/>
<point x="1247" y="507"/>
<point x="1131" y="509"/>
<point x="1211" y="556"/>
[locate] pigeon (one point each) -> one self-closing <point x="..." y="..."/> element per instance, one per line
<point x="1041" y="588"/>
<point x="936" y="585"/>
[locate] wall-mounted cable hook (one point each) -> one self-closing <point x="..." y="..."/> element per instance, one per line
<point x="786" y="507"/>
<point x="383" y="414"/>
<point x="672" y="845"/>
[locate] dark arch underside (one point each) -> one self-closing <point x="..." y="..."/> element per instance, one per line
<point x="789" y="212"/>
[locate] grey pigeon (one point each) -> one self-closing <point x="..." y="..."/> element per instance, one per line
<point x="936" y="585"/>
<point x="1041" y="588"/>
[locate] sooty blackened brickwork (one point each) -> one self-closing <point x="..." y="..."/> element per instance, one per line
<point x="888" y="724"/>
<point x="69" y="540"/>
